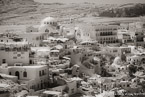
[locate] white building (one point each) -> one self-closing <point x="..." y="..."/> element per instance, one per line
<point x="139" y="39"/>
<point x="116" y="51"/>
<point x="36" y="34"/>
<point x="49" y="25"/>
<point x="75" y="70"/>
<point x="39" y="55"/>
<point x="136" y="59"/>
<point x="106" y="33"/>
<point x="84" y="33"/>
<point x="12" y="53"/>
<point x="123" y="36"/>
<point x="30" y="29"/>
<point x="9" y="38"/>
<point x="136" y="25"/>
<point x="34" y="38"/>
<point x="34" y="77"/>
<point x="100" y="33"/>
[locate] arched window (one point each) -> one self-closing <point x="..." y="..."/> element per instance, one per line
<point x="17" y="74"/>
<point x="46" y="30"/>
<point x="24" y="74"/>
<point x="39" y="73"/>
<point x="43" y="72"/>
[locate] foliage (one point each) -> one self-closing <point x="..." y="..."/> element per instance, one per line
<point x="132" y="70"/>
<point x="134" y="11"/>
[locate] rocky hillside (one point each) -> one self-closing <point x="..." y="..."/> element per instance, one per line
<point x="8" y="2"/>
<point x="26" y="12"/>
<point x="29" y="12"/>
<point x="126" y="10"/>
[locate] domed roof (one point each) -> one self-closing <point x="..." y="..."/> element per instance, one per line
<point x="48" y="20"/>
<point x="117" y="60"/>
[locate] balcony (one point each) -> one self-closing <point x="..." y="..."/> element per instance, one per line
<point x="19" y="49"/>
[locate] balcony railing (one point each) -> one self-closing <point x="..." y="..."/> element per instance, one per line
<point x="15" y="49"/>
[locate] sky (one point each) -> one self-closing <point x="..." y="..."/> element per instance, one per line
<point x="93" y="1"/>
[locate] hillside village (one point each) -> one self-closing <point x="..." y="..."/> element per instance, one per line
<point x="56" y="60"/>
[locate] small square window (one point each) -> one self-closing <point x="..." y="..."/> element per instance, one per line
<point x="18" y="55"/>
<point x="14" y="57"/>
<point x="3" y="60"/>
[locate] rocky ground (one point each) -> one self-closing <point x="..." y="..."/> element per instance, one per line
<point x="28" y="12"/>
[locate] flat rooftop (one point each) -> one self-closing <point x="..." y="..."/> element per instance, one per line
<point x="35" y="66"/>
<point x="52" y="92"/>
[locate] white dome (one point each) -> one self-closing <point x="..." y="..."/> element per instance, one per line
<point x="46" y="28"/>
<point x="117" y="60"/>
<point x="49" y="20"/>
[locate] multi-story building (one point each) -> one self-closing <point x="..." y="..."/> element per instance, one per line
<point x="39" y="55"/>
<point x="9" y="37"/>
<point x="36" y="34"/>
<point x="123" y="36"/>
<point x="116" y="51"/>
<point x="139" y="38"/>
<point x="136" y="25"/>
<point x="12" y="53"/>
<point x="106" y="33"/>
<point x="101" y="33"/>
<point x="34" y="38"/>
<point x="136" y="59"/>
<point x="84" y="32"/>
<point x="34" y="77"/>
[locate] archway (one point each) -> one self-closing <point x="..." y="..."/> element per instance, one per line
<point x="46" y="30"/>
<point x="17" y="74"/>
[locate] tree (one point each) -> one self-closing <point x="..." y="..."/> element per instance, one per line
<point x="132" y="70"/>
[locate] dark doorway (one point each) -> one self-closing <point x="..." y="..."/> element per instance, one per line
<point x="17" y="74"/>
<point x="46" y="30"/>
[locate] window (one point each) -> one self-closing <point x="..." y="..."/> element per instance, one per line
<point x="46" y="30"/>
<point x="37" y="38"/>
<point x="38" y="86"/>
<point x="18" y="55"/>
<point x="39" y="73"/>
<point x="77" y="70"/>
<point x="3" y="60"/>
<point x="24" y="74"/>
<point x="43" y="72"/>
<point x="72" y="90"/>
<point x="10" y="73"/>
<point x="114" y="50"/>
<point x="14" y="57"/>
<point x="1" y="40"/>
